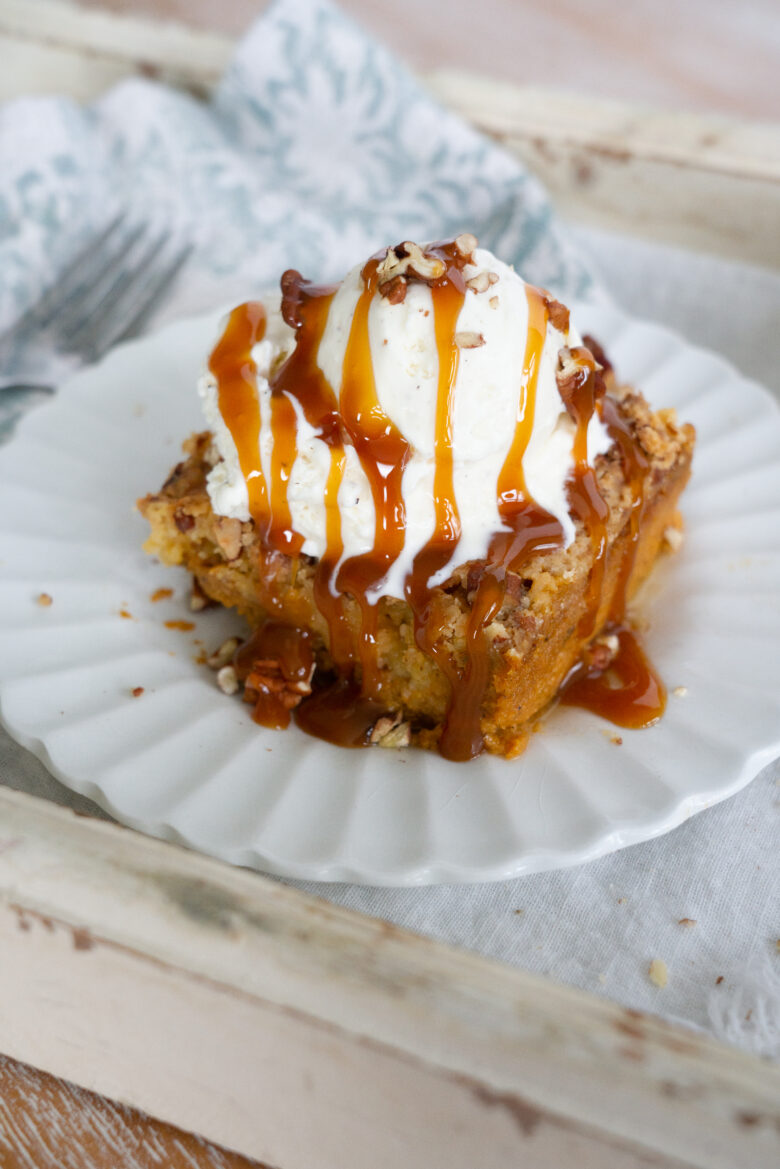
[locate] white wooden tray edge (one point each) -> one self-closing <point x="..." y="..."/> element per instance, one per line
<point x="302" y="1034"/>
<point x="705" y="182"/>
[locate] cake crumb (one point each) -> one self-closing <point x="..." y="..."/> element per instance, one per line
<point x="680" y="691"/>
<point x="658" y="973"/>
<point x="719" y="980"/>
<point x="687" y="921"/>
<point x="160" y="595"/>
<point x="182" y="626"/>
<point x="44" y="600"/>
<point x="137" y="691"/>
<point x="126" y="614"/>
<point x="617" y="740"/>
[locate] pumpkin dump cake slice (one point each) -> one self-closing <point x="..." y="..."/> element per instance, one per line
<point x="431" y="501"/>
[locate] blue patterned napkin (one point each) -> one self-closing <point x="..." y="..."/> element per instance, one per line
<point x="317" y="148"/>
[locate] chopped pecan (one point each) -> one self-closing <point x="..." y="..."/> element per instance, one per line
<point x="267" y="678"/>
<point x="468" y="340"/>
<point x="602" y="651"/>
<point x="557" y="312"/>
<point x="466" y="243"/>
<point x="227" y="532"/>
<point x="408" y="260"/>
<point x="480" y="282"/>
<point x="224" y="655"/>
<point x="227" y="680"/>
<point x="576" y="369"/>
<point x="390" y="731"/>
<point x="673" y="538"/>
<point x="394" y="291"/>
<point x="183" y="520"/>
<point x="598" y="352"/>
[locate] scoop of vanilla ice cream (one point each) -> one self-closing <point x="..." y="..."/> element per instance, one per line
<point x="405" y="361"/>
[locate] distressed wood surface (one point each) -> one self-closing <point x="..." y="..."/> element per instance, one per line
<point x="46" y="1123"/>
<point x="304" y="1035"/>
<point x="702" y="181"/>
<point x="710" y="57"/>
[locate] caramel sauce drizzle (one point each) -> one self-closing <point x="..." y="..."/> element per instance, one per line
<point x="384" y="453"/>
<point x="585" y="498"/>
<point x="448" y="296"/>
<point x="527" y="529"/>
<point x="628" y="692"/>
<point x="305" y="308"/>
<point x="272" y="663"/>
<point x="235" y="372"/>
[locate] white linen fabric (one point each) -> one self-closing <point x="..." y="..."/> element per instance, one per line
<point x="317" y="148"/>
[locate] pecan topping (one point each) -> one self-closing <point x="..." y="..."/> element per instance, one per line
<point x="227" y="533"/>
<point x="466" y="243"/>
<point x="602" y="651"/>
<point x="390" y="731"/>
<point x="394" y="291"/>
<point x="598" y="352"/>
<point x="183" y="520"/>
<point x="557" y="312"/>
<point x="480" y="282"/>
<point x="227" y="680"/>
<point x="404" y="262"/>
<point x="267" y="678"/>
<point x="469" y="340"/>
<point x="224" y="655"/>
<point x="575" y="368"/>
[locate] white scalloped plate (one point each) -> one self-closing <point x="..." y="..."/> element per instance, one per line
<point x="183" y="761"/>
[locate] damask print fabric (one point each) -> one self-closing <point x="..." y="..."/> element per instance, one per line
<point x="317" y="148"/>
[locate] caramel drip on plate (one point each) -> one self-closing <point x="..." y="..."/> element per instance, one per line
<point x="627" y="691"/>
<point x="274" y="664"/>
<point x="527" y="529"/>
<point x="232" y="365"/>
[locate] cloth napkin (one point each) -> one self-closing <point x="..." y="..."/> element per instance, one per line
<point x="317" y="148"/>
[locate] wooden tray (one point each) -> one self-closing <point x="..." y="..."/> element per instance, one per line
<point x="274" y="1023"/>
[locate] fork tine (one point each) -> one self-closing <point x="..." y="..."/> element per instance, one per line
<point x="140" y="307"/>
<point x="82" y="270"/>
<point x="95" y="291"/>
<point x="130" y="299"/>
<point x="39" y="314"/>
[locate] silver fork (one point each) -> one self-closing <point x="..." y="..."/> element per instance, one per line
<point x="103" y="296"/>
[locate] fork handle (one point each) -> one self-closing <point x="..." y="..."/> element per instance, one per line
<point x="27" y="387"/>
